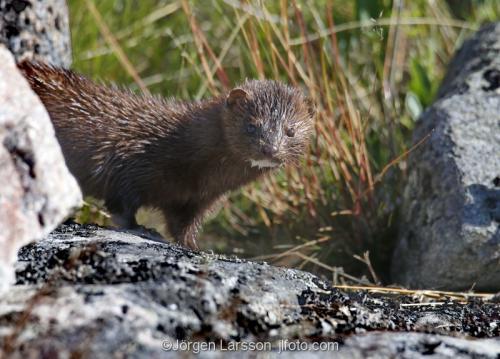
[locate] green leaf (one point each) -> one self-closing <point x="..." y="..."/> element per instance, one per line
<point x="413" y="105"/>
<point x="420" y="84"/>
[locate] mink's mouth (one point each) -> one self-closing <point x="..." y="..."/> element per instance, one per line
<point x="264" y="163"/>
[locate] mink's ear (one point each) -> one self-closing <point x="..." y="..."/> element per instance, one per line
<point x="236" y="95"/>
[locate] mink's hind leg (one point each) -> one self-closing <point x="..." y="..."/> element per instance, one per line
<point x="184" y="222"/>
<point x="122" y="215"/>
<point x="124" y="219"/>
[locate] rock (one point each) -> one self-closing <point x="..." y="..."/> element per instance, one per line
<point x="36" y="190"/>
<point x="450" y="237"/>
<point x="96" y="293"/>
<point x="33" y="29"/>
<point x="417" y="345"/>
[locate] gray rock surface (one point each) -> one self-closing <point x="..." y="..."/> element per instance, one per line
<point x="34" y="29"/>
<point x="85" y="291"/>
<point x="36" y="190"/>
<point x="417" y="345"/>
<point x="450" y="237"/>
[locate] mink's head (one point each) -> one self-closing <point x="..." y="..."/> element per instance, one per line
<point x="267" y="123"/>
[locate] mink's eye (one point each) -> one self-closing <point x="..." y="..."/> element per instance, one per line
<point x="251" y="128"/>
<point x="290" y="132"/>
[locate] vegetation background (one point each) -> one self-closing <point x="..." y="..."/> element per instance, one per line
<point x="370" y="66"/>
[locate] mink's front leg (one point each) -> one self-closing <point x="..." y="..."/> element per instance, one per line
<point x="184" y="221"/>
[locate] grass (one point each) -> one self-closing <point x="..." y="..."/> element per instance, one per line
<point x="369" y="66"/>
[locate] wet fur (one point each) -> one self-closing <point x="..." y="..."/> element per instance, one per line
<point x="180" y="157"/>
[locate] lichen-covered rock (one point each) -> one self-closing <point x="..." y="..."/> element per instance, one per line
<point x="91" y="292"/>
<point x="450" y="237"/>
<point x="33" y="29"/>
<point x="417" y="345"/>
<point x="36" y="189"/>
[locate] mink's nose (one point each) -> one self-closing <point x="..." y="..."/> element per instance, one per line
<point x="269" y="150"/>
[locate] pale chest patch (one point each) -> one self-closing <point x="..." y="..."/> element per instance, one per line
<point x="263" y="163"/>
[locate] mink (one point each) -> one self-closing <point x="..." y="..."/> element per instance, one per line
<point x="181" y="157"/>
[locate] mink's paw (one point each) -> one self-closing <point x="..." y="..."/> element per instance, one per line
<point x="191" y="243"/>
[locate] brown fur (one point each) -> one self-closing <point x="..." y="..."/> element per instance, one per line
<point x="180" y="157"/>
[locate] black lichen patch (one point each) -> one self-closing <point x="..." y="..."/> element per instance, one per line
<point x="430" y="347"/>
<point x="74" y="229"/>
<point x="492" y="76"/>
<point x="364" y="311"/>
<point x="91" y="261"/>
<point x="19" y="5"/>
<point x="85" y="265"/>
